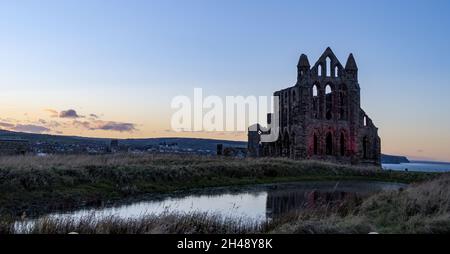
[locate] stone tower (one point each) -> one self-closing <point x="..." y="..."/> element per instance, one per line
<point x="320" y="117"/>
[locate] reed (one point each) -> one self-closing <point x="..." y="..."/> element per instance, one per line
<point x="33" y="184"/>
<point x="420" y="208"/>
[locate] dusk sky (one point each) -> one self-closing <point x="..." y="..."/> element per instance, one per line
<point x="111" y="68"/>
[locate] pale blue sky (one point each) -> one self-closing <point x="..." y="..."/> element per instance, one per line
<point x="125" y="60"/>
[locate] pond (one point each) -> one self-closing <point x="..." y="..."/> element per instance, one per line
<point x="257" y="203"/>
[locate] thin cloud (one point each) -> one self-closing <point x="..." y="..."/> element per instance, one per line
<point x="115" y="126"/>
<point x="70" y="113"/>
<point x="92" y="123"/>
<point x="82" y="124"/>
<point x="54" y="124"/>
<point x="30" y="128"/>
<point x="105" y="126"/>
<point x="52" y="112"/>
<point x="51" y="124"/>
<point x="7" y="125"/>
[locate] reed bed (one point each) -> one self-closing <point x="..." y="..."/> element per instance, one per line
<point x="33" y="184"/>
<point x="418" y="209"/>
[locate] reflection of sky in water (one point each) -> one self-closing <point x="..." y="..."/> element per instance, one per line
<point x="245" y="203"/>
<point x="250" y="205"/>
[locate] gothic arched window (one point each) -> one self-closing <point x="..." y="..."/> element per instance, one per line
<point x="315" y="102"/>
<point x="315" y="91"/>
<point x="328" y="102"/>
<point x="342" y="143"/>
<point x="328" y="66"/>
<point x="343" y="103"/>
<point x="329" y="144"/>
<point x="365" y="145"/>
<point x="315" y="145"/>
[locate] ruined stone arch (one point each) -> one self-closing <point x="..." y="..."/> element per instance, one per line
<point x="364" y="119"/>
<point x="365" y="147"/>
<point x="376" y="143"/>
<point x="343" y="143"/>
<point x="329" y="87"/>
<point x="329" y="91"/>
<point x="343" y="102"/>
<point x="329" y="143"/>
<point x="314" y="141"/>
<point x="328" y="66"/>
<point x="314" y="114"/>
<point x="315" y="91"/>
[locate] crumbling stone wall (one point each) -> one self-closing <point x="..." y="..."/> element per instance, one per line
<point x="321" y="116"/>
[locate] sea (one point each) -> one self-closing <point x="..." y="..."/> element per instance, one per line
<point x="419" y="166"/>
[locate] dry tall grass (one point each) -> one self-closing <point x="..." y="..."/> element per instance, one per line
<point x="421" y="208"/>
<point x="31" y="183"/>
<point x="195" y="223"/>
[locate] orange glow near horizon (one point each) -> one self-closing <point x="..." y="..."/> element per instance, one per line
<point x="119" y="65"/>
<point x="396" y="141"/>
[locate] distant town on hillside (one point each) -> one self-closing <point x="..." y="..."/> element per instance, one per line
<point x="13" y="143"/>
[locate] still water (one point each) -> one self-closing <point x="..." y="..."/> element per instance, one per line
<point x="257" y="203"/>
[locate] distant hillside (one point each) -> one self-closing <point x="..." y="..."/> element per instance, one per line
<point x="184" y="143"/>
<point x="33" y="137"/>
<point x="393" y="159"/>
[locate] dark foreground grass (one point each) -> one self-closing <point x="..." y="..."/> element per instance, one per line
<point x="420" y="208"/>
<point x="194" y="223"/>
<point x="40" y="184"/>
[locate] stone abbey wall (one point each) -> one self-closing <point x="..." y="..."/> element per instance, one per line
<point x="321" y="117"/>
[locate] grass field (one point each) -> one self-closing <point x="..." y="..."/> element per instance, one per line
<point x="36" y="185"/>
<point x="420" y="208"/>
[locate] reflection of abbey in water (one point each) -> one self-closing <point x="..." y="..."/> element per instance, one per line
<point x="321" y="117"/>
<point x="285" y="201"/>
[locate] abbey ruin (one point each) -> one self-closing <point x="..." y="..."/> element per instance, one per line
<point x="320" y="117"/>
